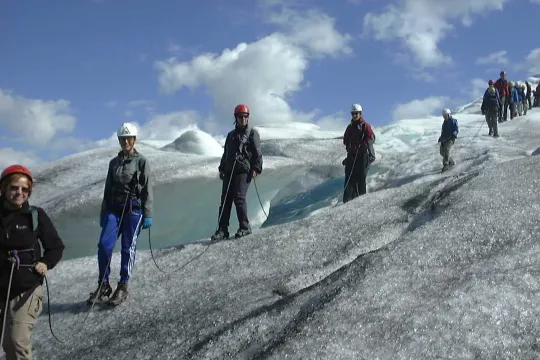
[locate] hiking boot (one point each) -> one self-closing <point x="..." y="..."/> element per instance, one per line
<point x="490" y="132"/>
<point x="96" y="296"/>
<point x="495" y="135"/>
<point x="242" y="232"/>
<point x="220" y="235"/>
<point x="120" y="294"/>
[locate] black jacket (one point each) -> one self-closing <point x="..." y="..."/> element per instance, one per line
<point x="243" y="145"/>
<point x="16" y="233"/>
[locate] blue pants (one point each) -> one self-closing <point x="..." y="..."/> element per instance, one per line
<point x="129" y="230"/>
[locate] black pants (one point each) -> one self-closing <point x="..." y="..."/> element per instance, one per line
<point x="355" y="175"/>
<point x="237" y="194"/>
<point x="529" y="101"/>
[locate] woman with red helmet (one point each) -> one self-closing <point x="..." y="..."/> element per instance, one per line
<point x="22" y="228"/>
<point x="241" y="162"/>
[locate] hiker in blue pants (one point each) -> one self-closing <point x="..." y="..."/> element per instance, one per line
<point x="126" y="210"/>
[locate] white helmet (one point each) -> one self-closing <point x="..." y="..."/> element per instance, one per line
<point x="126" y="129"/>
<point x="446" y="111"/>
<point x="356" y="108"/>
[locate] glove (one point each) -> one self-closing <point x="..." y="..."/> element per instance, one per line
<point x="440" y="138"/>
<point x="344" y="161"/>
<point x="221" y="175"/>
<point x="371" y="158"/>
<point x="483" y="112"/>
<point x="147" y="222"/>
<point x="103" y="221"/>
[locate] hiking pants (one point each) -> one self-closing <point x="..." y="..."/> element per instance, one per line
<point x="503" y="114"/>
<point x="519" y="108"/>
<point x="524" y="107"/>
<point x="491" y="119"/>
<point x="529" y="101"/>
<point x="445" y="152"/>
<point x="237" y="194"/>
<point x="129" y="229"/>
<point x="21" y="317"/>
<point x="355" y="175"/>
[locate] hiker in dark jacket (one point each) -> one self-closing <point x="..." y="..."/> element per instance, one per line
<point x="241" y="162"/>
<point x="528" y="94"/>
<point x="490" y="108"/>
<point x="126" y="209"/>
<point x="358" y="140"/>
<point x="504" y="94"/>
<point x="22" y="229"/>
<point x="449" y="133"/>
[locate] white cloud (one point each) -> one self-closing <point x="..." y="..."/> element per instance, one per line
<point x="35" y="121"/>
<point x="532" y="61"/>
<point x="111" y="103"/>
<point x="422" y="24"/>
<point x="499" y="57"/>
<point x="262" y="74"/>
<point x="477" y="88"/>
<point x="9" y="156"/>
<point x="419" y="108"/>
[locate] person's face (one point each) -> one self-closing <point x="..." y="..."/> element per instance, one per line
<point x="18" y="191"/>
<point x="242" y="119"/>
<point x="127" y="143"/>
<point x="356" y="115"/>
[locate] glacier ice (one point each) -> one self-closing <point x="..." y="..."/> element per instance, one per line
<point x="425" y="266"/>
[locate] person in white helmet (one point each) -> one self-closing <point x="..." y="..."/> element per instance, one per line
<point x="358" y="140"/>
<point x="125" y="210"/>
<point x="448" y="136"/>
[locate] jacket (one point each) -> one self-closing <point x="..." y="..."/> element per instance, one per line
<point x="17" y="233"/>
<point x="242" y="151"/>
<point x="491" y="101"/>
<point x="449" y="129"/>
<point x="503" y="87"/>
<point x="516" y="98"/>
<point x="359" y="137"/>
<point x="128" y="175"/>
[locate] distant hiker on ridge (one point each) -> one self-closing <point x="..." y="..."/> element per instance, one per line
<point x="504" y="94"/>
<point x="449" y="133"/>
<point x="125" y="210"/>
<point x="241" y="162"/>
<point x="358" y="140"/>
<point x="491" y="105"/>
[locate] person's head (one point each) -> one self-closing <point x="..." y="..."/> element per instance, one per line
<point x="356" y="112"/>
<point x="127" y="136"/>
<point x="241" y="115"/>
<point x="446" y="113"/>
<point x="503" y="74"/>
<point x="510" y="84"/>
<point x="491" y="82"/>
<point x="16" y="185"/>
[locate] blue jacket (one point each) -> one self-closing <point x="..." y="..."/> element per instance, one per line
<point x="450" y="129"/>
<point x="516" y="98"/>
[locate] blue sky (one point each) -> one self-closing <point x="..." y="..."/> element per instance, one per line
<point x="72" y="71"/>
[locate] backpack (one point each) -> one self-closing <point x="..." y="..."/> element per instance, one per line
<point x="35" y="217"/>
<point x="491" y="99"/>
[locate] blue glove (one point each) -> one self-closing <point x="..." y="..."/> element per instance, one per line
<point x="147" y="222"/>
<point x="103" y="221"/>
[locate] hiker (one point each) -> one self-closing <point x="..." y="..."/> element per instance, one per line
<point x="449" y="133"/>
<point x="24" y="230"/>
<point x="241" y="162"/>
<point x="126" y="209"/>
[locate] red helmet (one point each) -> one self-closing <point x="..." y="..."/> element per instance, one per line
<point x="503" y="73"/>
<point x="16" y="169"/>
<point x="490" y="82"/>
<point x="241" y="109"/>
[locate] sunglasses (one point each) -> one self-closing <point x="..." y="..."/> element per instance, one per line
<point x="242" y="116"/>
<point x="24" y="189"/>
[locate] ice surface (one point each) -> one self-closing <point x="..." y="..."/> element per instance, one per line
<point x="425" y="266"/>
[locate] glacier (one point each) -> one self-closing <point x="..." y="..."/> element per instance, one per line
<point x="425" y="266"/>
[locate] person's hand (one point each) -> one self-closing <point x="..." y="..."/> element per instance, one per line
<point x="254" y="174"/>
<point x="41" y="268"/>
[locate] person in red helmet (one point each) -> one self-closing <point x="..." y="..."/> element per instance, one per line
<point x="241" y="162"/>
<point x="503" y="88"/>
<point x="22" y="263"/>
<point x="358" y="140"/>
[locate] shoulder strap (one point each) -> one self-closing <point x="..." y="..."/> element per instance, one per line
<point x="35" y="218"/>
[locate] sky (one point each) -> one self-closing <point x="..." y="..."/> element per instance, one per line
<point x="72" y="71"/>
